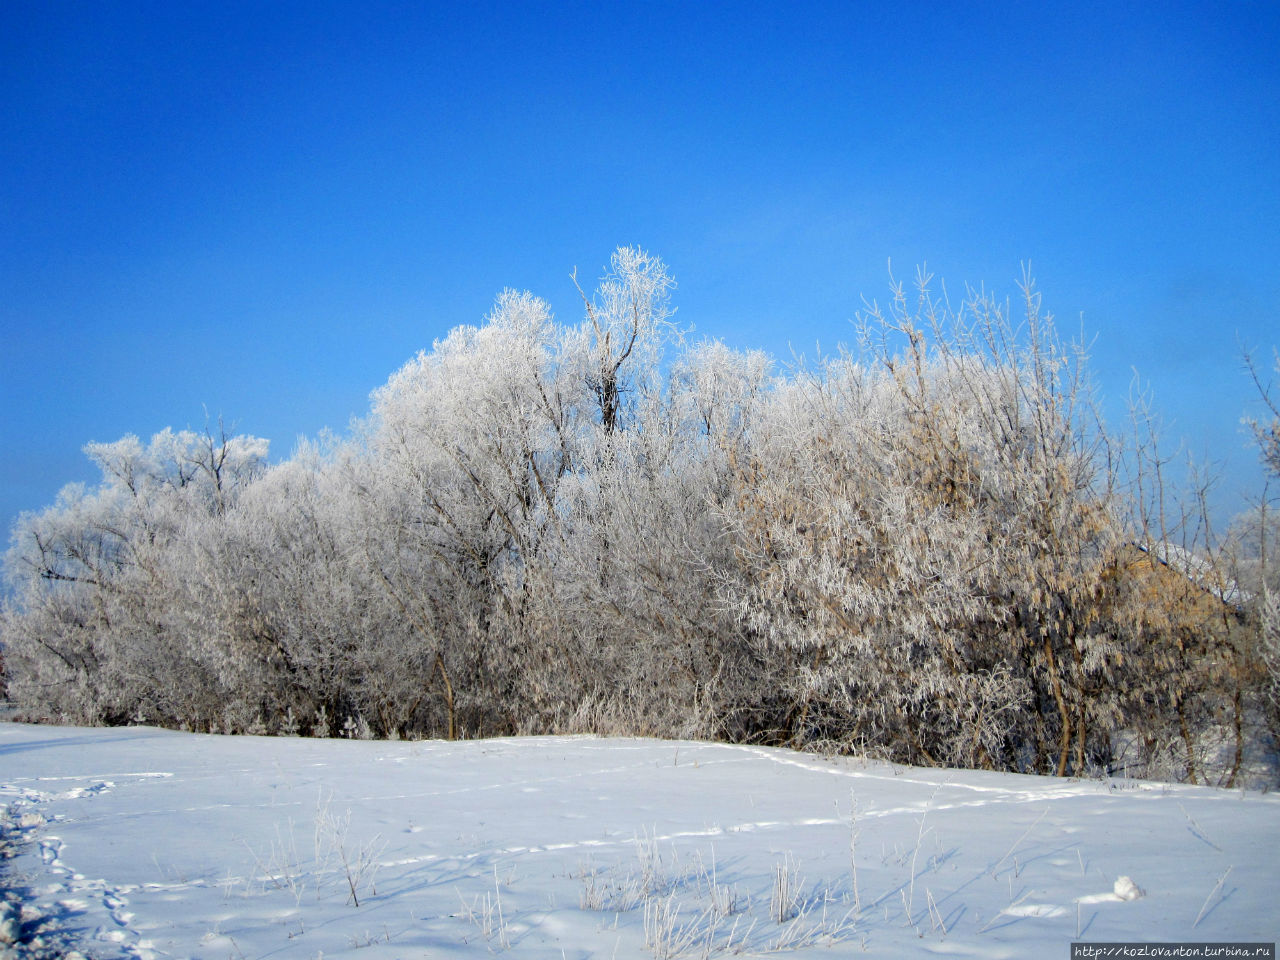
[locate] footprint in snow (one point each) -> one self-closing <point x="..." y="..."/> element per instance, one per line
<point x="90" y="791"/>
<point x="51" y="851"/>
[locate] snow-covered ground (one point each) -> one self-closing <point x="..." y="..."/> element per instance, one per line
<point x="147" y="843"/>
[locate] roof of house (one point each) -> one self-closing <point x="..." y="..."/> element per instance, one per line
<point x="1198" y="569"/>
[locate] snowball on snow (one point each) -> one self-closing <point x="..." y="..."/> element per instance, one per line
<point x="1126" y="889"/>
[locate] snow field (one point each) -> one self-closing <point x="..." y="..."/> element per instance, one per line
<point x="148" y="843"/>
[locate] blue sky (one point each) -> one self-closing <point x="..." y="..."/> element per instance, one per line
<point x="262" y="210"/>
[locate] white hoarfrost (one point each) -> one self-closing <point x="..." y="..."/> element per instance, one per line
<point x="147" y="843"/>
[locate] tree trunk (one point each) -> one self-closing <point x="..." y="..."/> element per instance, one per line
<point x="448" y="698"/>
<point x="1064" y="714"/>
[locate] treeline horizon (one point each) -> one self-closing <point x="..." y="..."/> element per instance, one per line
<point x="927" y="547"/>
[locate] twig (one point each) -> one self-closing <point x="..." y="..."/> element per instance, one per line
<point x="1018" y="841"/>
<point x="911" y="897"/>
<point x="853" y="851"/>
<point x="935" y="914"/>
<point x="1003" y="911"/>
<point x="1216" y="887"/>
<point x="1196" y="830"/>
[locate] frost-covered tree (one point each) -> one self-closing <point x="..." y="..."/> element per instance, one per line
<point x="467" y="449"/>
<point x="628" y="321"/>
<point x="95" y="577"/>
<point x="645" y="544"/>
<point x="927" y="536"/>
<point x="1267" y="430"/>
<point x="923" y="548"/>
<point x="1255" y="537"/>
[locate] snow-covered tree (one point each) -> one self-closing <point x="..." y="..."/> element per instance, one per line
<point x="924" y="547"/>
<point x="95" y="576"/>
<point x="628" y="321"/>
<point x="927" y="536"/>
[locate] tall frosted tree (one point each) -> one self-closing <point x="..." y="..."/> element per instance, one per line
<point x="925" y="548"/>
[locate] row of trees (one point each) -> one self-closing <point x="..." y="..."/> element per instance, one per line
<point x="926" y="548"/>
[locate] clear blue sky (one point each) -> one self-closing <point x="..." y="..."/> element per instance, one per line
<point x="262" y="210"/>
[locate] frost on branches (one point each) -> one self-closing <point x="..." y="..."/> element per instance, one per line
<point x="926" y="547"/>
